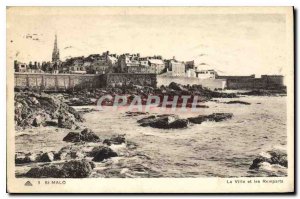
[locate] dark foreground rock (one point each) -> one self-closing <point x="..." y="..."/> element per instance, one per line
<point x="163" y="122"/>
<point x="101" y="153"/>
<point x="217" y="117"/>
<point x="23" y="158"/>
<point x="71" y="169"/>
<point x="116" y="139"/>
<point x="45" y="172"/>
<point x="238" y="102"/>
<point x="70" y="152"/>
<point x="272" y="157"/>
<point x="46" y="157"/>
<point x="78" y="169"/>
<point x="87" y="135"/>
<point x="66" y="122"/>
<point x="51" y="122"/>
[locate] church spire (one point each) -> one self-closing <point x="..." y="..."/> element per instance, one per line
<point x="55" y="53"/>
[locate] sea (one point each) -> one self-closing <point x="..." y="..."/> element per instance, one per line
<point x="210" y="149"/>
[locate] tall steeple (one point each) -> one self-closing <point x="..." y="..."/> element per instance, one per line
<point x="55" y="53"/>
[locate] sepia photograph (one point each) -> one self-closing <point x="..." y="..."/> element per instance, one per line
<point x="143" y="97"/>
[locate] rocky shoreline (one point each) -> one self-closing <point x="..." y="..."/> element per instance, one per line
<point x="273" y="162"/>
<point x="84" y="150"/>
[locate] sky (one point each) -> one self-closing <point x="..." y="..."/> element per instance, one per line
<point x="236" y="44"/>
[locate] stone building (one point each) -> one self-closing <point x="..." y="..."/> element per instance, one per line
<point x="102" y="64"/>
<point x="177" y="68"/>
<point x="133" y="63"/>
<point x="75" y="65"/>
<point x="156" y="65"/>
<point x="127" y="61"/>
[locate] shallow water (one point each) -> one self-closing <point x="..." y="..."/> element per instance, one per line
<point x="210" y="149"/>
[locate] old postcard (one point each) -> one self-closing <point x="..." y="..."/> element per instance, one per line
<point x="150" y="99"/>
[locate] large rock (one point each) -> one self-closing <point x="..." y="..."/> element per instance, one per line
<point x="78" y="169"/>
<point x="46" y="157"/>
<point x="175" y="86"/>
<point x="89" y="136"/>
<point x="274" y="156"/>
<point x="70" y="152"/>
<point x="164" y="122"/>
<point x="37" y="121"/>
<point x="102" y="153"/>
<point x="116" y="139"/>
<point x="86" y="135"/>
<point x="51" y="122"/>
<point x="45" y="172"/>
<point x="136" y="113"/>
<point x="23" y="158"/>
<point x="66" y="121"/>
<point x="71" y="169"/>
<point x="178" y="124"/>
<point x="72" y="137"/>
<point x="147" y="120"/>
<point x="32" y="109"/>
<point x="217" y="117"/>
<point x="238" y="102"/>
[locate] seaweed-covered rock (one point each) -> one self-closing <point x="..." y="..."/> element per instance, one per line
<point x="66" y="121"/>
<point x="217" y="117"/>
<point x="45" y="172"/>
<point x="86" y="135"/>
<point x="275" y="156"/>
<point x="51" y="122"/>
<point x="70" y="152"/>
<point x="238" y="102"/>
<point x="102" y="153"/>
<point x="72" y="137"/>
<point x="71" y="169"/>
<point x="78" y="169"/>
<point x="116" y="139"/>
<point x="33" y="109"/>
<point x="46" y="157"/>
<point x="23" y="158"/>
<point x="37" y="121"/>
<point x="89" y="136"/>
<point x="136" y="113"/>
<point x="164" y="122"/>
<point x="175" y="86"/>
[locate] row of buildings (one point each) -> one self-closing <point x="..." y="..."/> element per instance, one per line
<point x="107" y="62"/>
<point x="113" y="63"/>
